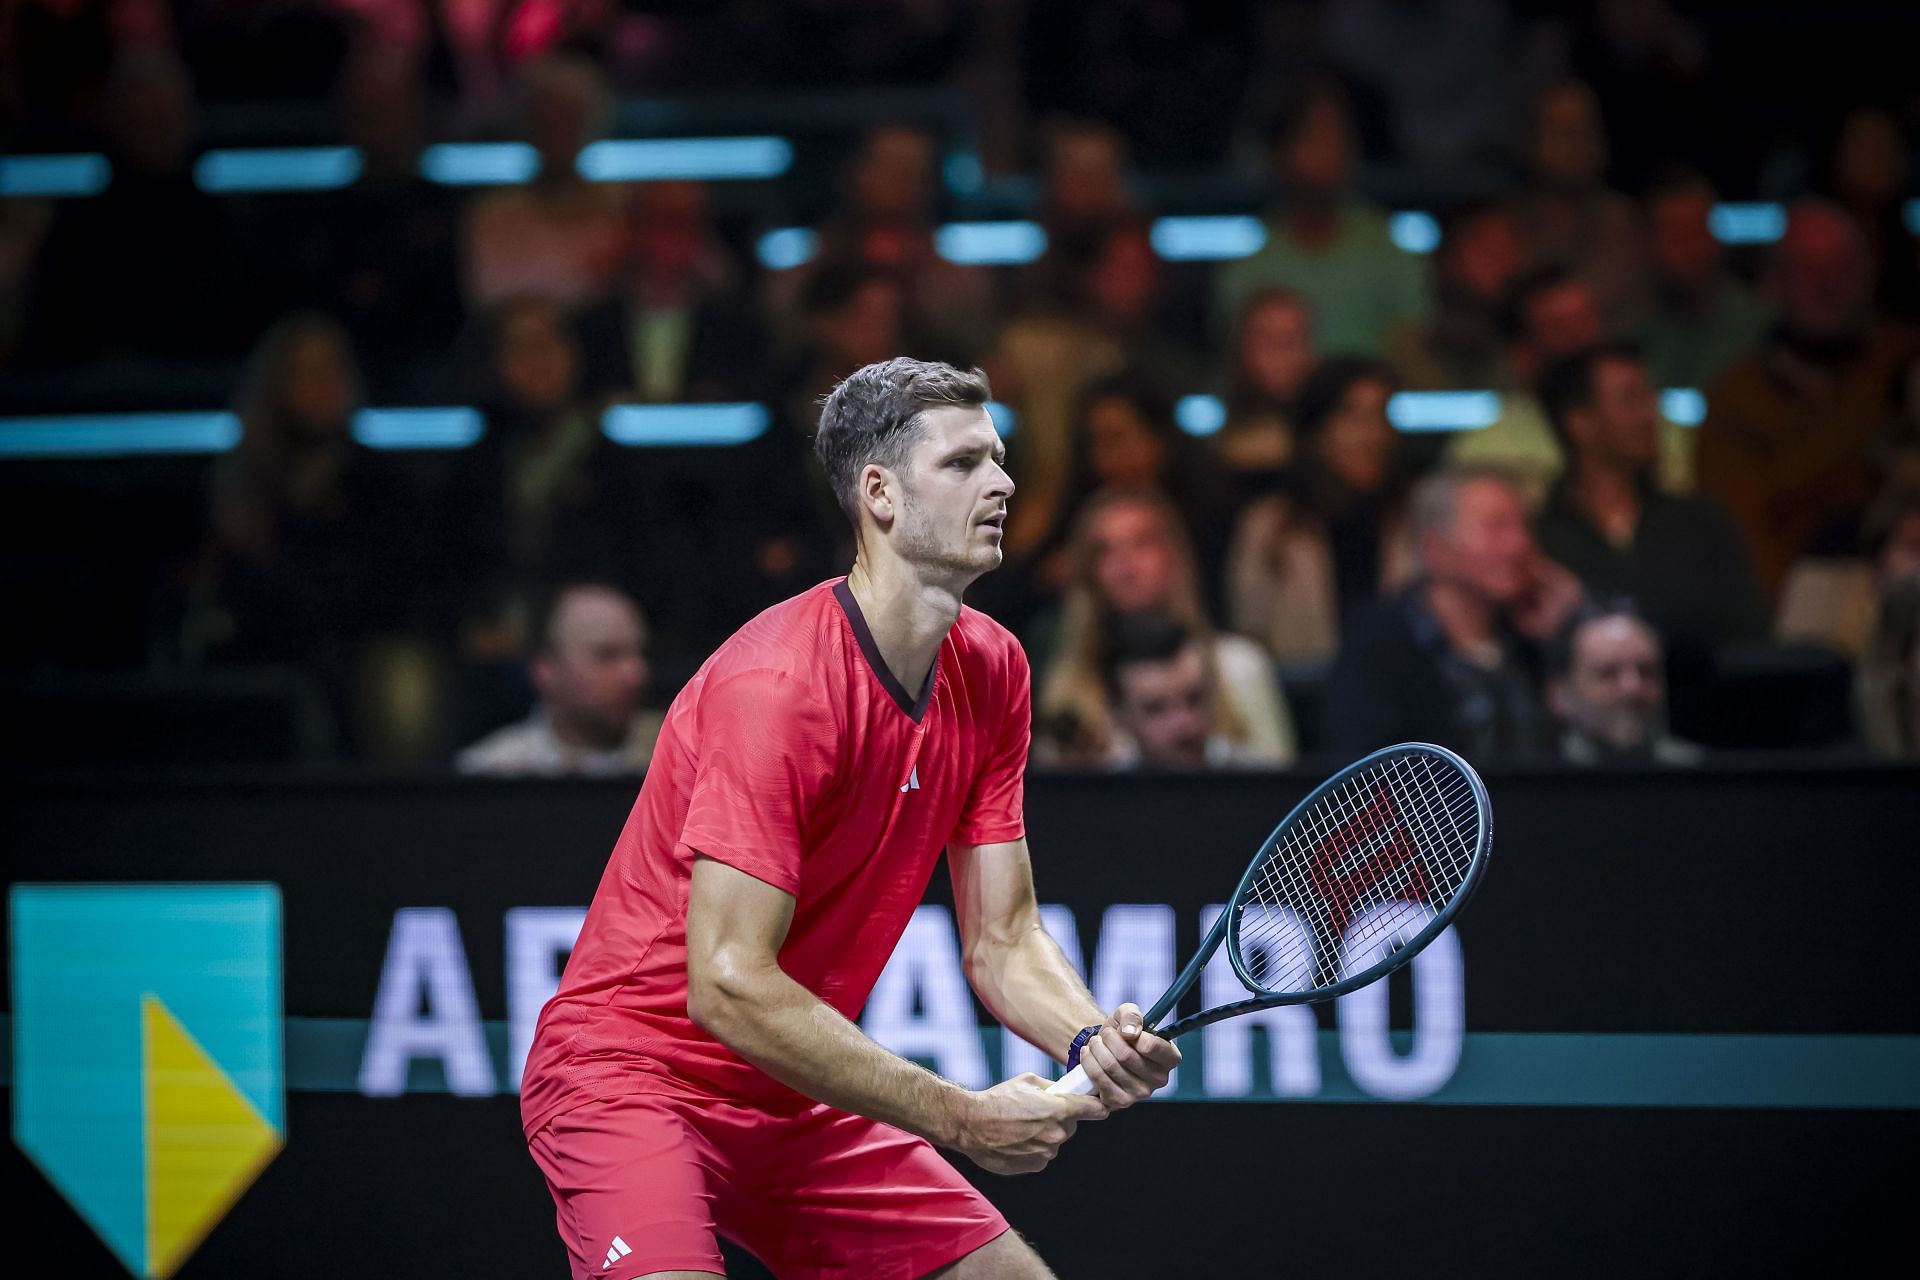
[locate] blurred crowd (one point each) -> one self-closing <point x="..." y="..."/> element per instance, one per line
<point x="1580" y="579"/>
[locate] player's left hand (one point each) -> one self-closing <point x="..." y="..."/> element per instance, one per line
<point x="1126" y="1062"/>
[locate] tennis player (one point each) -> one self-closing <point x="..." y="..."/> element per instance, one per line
<point x="699" y="1073"/>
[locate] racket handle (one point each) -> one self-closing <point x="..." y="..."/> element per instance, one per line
<point x="1075" y="1081"/>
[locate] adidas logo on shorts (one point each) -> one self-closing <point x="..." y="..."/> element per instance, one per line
<point x="619" y="1250"/>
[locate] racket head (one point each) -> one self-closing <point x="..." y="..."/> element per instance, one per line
<point x="1413" y="818"/>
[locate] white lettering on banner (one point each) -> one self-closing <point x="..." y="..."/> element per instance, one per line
<point x="538" y="940"/>
<point x="1293" y="1055"/>
<point x="1439" y="1006"/>
<point x="425" y="960"/>
<point x="1016" y="1055"/>
<point x="924" y="974"/>
<point x="921" y="1006"/>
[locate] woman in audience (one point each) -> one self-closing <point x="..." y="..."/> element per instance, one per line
<point x="1304" y="559"/>
<point x="311" y="551"/>
<point x="1124" y="437"/>
<point x="1130" y="553"/>
<point x="539" y="497"/>
<point x="1273" y="354"/>
<point x="299" y="509"/>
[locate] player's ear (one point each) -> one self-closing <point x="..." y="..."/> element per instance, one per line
<point x="879" y="493"/>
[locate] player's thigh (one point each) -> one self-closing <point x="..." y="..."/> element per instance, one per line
<point x="634" y="1185"/>
<point x="1005" y="1257"/>
<point x="844" y="1197"/>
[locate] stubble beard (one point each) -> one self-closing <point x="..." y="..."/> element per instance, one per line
<point x="920" y="544"/>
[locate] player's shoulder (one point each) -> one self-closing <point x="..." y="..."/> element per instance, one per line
<point x="785" y="652"/>
<point x="981" y="642"/>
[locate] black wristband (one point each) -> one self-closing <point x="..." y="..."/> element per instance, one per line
<point x="1080" y="1042"/>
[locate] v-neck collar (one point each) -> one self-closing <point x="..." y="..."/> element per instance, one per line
<point x="914" y="709"/>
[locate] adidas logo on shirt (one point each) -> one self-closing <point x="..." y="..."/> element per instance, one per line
<point x="913" y="780"/>
<point x="619" y="1250"/>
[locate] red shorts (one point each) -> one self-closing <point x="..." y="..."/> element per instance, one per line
<point x="644" y="1181"/>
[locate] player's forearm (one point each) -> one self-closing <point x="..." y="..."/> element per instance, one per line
<point x="1026" y="982"/>
<point x="785" y="1030"/>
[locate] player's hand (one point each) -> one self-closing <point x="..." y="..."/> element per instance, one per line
<point x="1018" y="1127"/>
<point x="1126" y="1062"/>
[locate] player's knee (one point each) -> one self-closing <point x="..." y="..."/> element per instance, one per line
<point x="1005" y="1257"/>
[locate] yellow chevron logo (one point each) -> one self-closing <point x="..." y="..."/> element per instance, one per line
<point x="205" y="1142"/>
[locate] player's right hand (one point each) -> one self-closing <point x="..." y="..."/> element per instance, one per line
<point x="1018" y="1127"/>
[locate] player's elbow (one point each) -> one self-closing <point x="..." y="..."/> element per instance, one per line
<point x="720" y="990"/>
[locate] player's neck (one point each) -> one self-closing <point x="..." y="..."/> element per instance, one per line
<point x="907" y="615"/>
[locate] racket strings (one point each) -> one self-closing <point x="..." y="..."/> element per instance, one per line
<point x="1373" y="858"/>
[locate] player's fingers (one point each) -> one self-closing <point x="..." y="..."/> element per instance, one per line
<point x="1128" y="1020"/>
<point x="1126" y="1054"/>
<point x="1164" y="1054"/>
<point x="1083" y="1106"/>
<point x="1119" y="1084"/>
<point x="1099" y="1066"/>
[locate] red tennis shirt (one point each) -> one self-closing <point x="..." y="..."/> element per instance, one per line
<point x="795" y="756"/>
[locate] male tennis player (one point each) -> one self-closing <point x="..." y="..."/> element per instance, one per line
<point x="699" y="1072"/>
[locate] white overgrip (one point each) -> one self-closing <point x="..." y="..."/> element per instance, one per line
<point x="1075" y="1081"/>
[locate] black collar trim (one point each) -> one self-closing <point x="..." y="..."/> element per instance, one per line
<point x="914" y="708"/>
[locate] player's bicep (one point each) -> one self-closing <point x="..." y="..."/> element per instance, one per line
<point x="736" y="924"/>
<point x="993" y="893"/>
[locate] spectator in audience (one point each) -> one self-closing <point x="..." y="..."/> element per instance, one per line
<point x="1569" y="217"/>
<point x="850" y="316"/>
<point x="544" y="495"/>
<point x="885" y="222"/>
<point x="1887" y="685"/>
<point x="1124" y="437"/>
<point x="1868" y="174"/>
<point x="558" y="235"/>
<point x="1463" y="346"/>
<point x="1130" y="553"/>
<point x="1450" y="74"/>
<point x="1606" y="682"/>
<point x="1106" y="319"/>
<point x="1323" y="240"/>
<point x="1679" y="557"/>
<point x="1832" y="601"/>
<point x="311" y="550"/>
<point x="589" y="667"/>
<point x="1553" y="315"/>
<point x="1702" y="317"/>
<point x="1160" y="685"/>
<point x="676" y="325"/>
<point x="140" y="271"/>
<point x="1272" y="355"/>
<point x="1792" y="428"/>
<point x="1084" y="192"/>
<point x="1303" y="561"/>
<point x="380" y="254"/>
<point x="1455" y="657"/>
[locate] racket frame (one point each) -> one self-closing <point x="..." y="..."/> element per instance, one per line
<point x="1225" y="928"/>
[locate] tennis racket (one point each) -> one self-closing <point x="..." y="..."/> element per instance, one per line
<point x="1365" y="872"/>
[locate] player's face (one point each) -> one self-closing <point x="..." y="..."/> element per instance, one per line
<point x="954" y="496"/>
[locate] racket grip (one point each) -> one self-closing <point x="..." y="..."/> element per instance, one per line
<point x="1075" y="1081"/>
